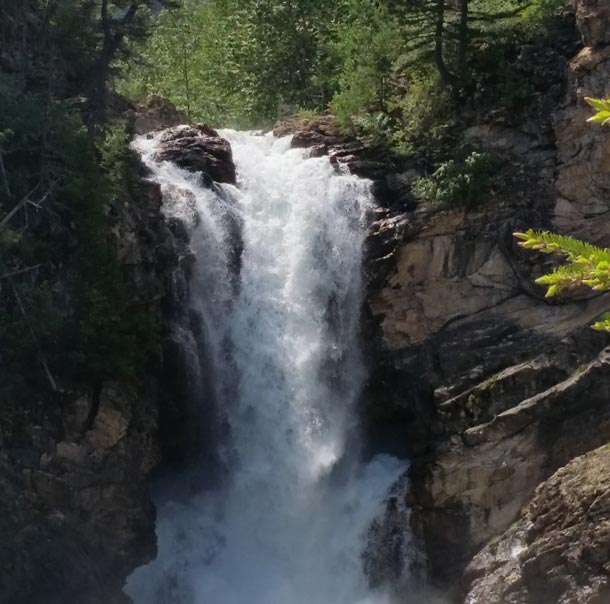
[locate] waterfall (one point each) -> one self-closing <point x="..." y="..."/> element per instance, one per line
<point x="290" y="520"/>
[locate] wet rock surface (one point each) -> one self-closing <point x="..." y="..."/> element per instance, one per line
<point x="199" y="149"/>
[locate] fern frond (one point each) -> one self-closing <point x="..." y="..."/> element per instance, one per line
<point x="563" y="278"/>
<point x="602" y="106"/>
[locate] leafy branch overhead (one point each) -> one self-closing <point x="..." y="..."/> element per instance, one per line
<point x="603" y="110"/>
<point x="587" y="265"/>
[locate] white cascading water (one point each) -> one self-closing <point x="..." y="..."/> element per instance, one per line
<point x="289" y="523"/>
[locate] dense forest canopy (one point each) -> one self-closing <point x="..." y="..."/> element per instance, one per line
<point x="391" y="66"/>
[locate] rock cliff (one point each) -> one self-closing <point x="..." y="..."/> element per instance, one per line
<point x="495" y="386"/>
<point x="559" y="548"/>
<point x="74" y="465"/>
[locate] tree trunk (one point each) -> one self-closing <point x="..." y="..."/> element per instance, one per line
<point x="464" y="38"/>
<point x="439" y="41"/>
<point x="185" y="75"/>
<point x="112" y="37"/>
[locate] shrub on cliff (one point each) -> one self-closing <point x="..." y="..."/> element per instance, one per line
<point x="64" y="307"/>
<point x="457" y="183"/>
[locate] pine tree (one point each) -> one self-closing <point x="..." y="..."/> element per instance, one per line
<point x="445" y="32"/>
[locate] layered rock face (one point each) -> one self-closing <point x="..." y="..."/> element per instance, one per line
<point x="558" y="551"/>
<point x="76" y="514"/>
<point x="497" y="387"/>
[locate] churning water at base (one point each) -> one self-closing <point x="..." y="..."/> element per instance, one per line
<point x="289" y="522"/>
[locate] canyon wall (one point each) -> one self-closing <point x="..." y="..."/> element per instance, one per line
<point x="494" y="386"/>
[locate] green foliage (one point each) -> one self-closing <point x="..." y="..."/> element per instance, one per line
<point x="540" y="14"/>
<point x="602" y="111"/>
<point x="67" y="301"/>
<point x="239" y="62"/>
<point x="376" y="63"/>
<point x="108" y="337"/>
<point x="587" y="265"/>
<point x="457" y="183"/>
<point x="424" y="115"/>
<point x="365" y="82"/>
<point x="83" y="322"/>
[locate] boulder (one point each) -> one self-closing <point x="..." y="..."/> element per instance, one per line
<point x="198" y="149"/>
<point x="558" y="550"/>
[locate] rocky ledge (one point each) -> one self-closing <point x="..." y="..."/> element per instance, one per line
<point x="360" y="156"/>
<point x="558" y="550"/>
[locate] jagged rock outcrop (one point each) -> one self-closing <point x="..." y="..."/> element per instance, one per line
<point x="199" y="149"/>
<point x="558" y="551"/>
<point x="360" y="156"/>
<point x="593" y="19"/>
